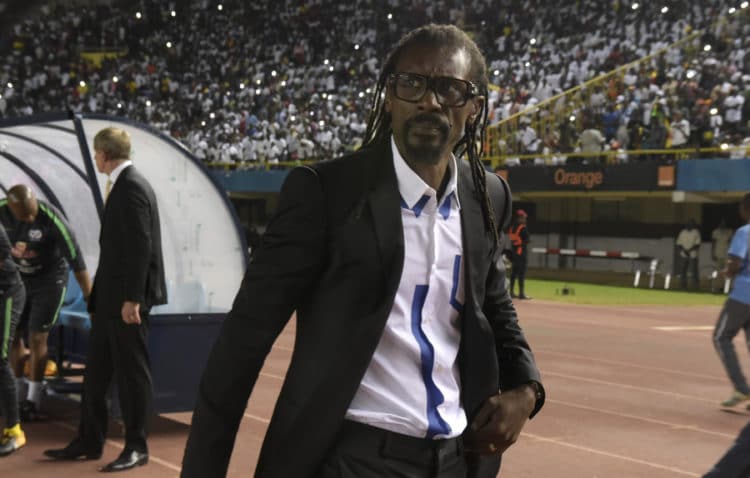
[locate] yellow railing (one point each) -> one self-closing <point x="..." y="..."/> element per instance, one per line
<point x="496" y="162"/>
<point x="258" y="165"/>
<point x="616" y="156"/>
<point x="548" y="115"/>
<point x="97" y="56"/>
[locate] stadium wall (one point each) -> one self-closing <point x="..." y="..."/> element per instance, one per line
<point x="638" y="207"/>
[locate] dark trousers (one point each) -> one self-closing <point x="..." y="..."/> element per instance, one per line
<point x="734" y="316"/>
<point x="518" y="271"/>
<point x="689" y="265"/>
<point x="11" y="305"/>
<point x="116" y="350"/>
<point x="736" y="461"/>
<point x="362" y="451"/>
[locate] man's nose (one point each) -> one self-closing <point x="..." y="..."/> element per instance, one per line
<point x="430" y="100"/>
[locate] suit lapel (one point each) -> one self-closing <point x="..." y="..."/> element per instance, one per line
<point x="472" y="227"/>
<point x="385" y="206"/>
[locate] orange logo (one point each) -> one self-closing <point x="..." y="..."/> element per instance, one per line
<point x="589" y="179"/>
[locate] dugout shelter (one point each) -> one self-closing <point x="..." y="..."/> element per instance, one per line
<point x="205" y="253"/>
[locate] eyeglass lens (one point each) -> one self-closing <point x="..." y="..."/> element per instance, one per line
<point x="449" y="91"/>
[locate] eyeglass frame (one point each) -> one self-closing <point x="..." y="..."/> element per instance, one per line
<point x="472" y="91"/>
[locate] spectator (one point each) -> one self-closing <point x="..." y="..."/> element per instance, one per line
<point x="679" y="130"/>
<point x="688" y="245"/>
<point x="720" y="238"/>
<point x="592" y="142"/>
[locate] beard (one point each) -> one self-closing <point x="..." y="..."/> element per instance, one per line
<point x="425" y="138"/>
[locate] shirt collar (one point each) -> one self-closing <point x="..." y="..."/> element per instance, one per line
<point x="119" y="169"/>
<point x="412" y="187"/>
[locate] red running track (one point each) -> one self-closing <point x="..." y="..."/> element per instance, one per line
<point x="632" y="392"/>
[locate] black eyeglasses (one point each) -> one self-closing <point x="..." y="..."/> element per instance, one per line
<point x="449" y="92"/>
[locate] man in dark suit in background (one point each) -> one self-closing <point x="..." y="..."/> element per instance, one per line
<point x="128" y="282"/>
<point x="408" y="360"/>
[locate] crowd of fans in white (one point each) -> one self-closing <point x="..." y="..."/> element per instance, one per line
<point x="261" y="82"/>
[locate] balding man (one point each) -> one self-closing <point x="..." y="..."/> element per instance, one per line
<point x="43" y="247"/>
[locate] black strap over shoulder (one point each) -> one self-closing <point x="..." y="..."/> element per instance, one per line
<point x="502" y="203"/>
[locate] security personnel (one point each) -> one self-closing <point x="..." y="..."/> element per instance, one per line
<point x="519" y="240"/>
<point x="42" y="246"/>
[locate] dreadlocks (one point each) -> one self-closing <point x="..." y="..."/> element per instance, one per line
<point x="472" y="142"/>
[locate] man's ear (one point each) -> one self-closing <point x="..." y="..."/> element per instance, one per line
<point x="387" y="102"/>
<point x="476" y="108"/>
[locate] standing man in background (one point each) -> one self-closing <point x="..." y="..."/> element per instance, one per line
<point x="43" y="246"/>
<point x="735" y="315"/>
<point x="409" y="360"/>
<point x="519" y="240"/>
<point x="12" y="297"/>
<point x="689" y="244"/>
<point x="128" y="282"/>
<point x="679" y="130"/>
<point x="720" y="238"/>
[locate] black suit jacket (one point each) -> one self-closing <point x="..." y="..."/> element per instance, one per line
<point x="131" y="266"/>
<point x="334" y="252"/>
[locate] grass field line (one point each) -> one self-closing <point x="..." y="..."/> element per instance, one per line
<point x="607" y="324"/>
<point x="628" y="387"/>
<point x="283" y="347"/>
<point x="272" y="375"/>
<point x="630" y="459"/>
<point x="541" y="351"/>
<point x="683" y="328"/>
<point x="621" y="321"/>
<point x="119" y="446"/>
<point x="674" y="426"/>
<point x="256" y="418"/>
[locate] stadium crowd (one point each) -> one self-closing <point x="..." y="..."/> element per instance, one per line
<point x="251" y="83"/>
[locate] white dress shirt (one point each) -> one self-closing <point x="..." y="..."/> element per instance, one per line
<point x="412" y="385"/>
<point x="119" y="169"/>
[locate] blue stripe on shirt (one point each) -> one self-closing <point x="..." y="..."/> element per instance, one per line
<point x="445" y="209"/>
<point x="456" y="271"/>
<point x="417" y="209"/>
<point x="435" y="423"/>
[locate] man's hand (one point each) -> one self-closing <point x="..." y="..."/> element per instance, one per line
<point x="499" y="422"/>
<point x="131" y="312"/>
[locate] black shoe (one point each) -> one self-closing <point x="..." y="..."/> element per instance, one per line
<point x="524" y="297"/>
<point x="28" y="412"/>
<point x="74" y="451"/>
<point x="128" y="459"/>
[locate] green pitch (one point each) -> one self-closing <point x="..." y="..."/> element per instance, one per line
<point x="604" y="295"/>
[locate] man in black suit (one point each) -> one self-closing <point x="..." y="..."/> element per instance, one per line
<point x="128" y="282"/>
<point x="408" y="360"/>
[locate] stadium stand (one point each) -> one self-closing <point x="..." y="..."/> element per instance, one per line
<point x="257" y="84"/>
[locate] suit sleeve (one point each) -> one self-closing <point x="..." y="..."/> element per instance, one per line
<point x="281" y="271"/>
<point x="135" y="221"/>
<point x="517" y="364"/>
